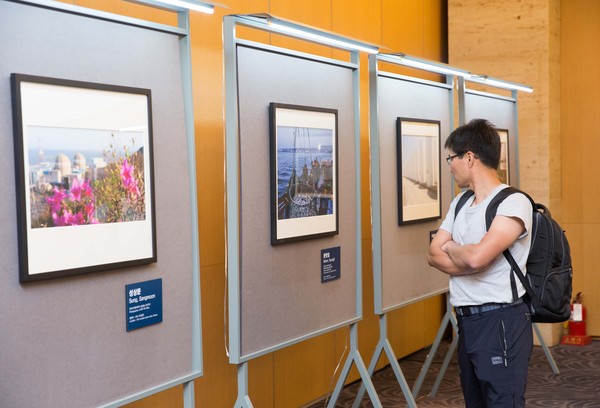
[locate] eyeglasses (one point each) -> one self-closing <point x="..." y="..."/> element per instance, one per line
<point x="450" y="158"/>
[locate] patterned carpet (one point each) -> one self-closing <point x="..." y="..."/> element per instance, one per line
<point x="576" y="386"/>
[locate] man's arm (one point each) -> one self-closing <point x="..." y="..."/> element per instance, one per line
<point x="474" y="258"/>
<point x="437" y="257"/>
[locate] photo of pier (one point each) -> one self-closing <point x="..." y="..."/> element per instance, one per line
<point x="418" y="170"/>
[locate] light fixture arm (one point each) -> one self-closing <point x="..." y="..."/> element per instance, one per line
<point x="500" y="83"/>
<point x="273" y="24"/>
<point x="179" y="5"/>
<point x="424" y="64"/>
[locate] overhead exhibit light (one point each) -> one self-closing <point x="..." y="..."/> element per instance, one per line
<point x="311" y="34"/>
<point x="427" y="65"/>
<point x="181" y="4"/>
<point x="499" y="83"/>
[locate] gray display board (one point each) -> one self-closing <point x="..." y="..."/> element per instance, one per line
<point x="401" y="260"/>
<point x="502" y="113"/>
<point x="281" y="297"/>
<point x="64" y="341"/>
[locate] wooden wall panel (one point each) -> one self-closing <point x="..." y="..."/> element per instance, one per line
<point x="571" y="124"/>
<point x="586" y="278"/>
<point x="207" y="62"/>
<point x="580" y="85"/>
<point x="402" y="26"/>
<point x="306" y="366"/>
<point x="435" y="25"/>
<point x="402" y="328"/>
<point x="417" y="28"/>
<point x="554" y="117"/>
<point x="218" y="386"/>
<point x="357" y="19"/>
<point x="304" y="12"/>
<point x="171" y="398"/>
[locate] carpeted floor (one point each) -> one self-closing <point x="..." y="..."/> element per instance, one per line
<point x="576" y="386"/>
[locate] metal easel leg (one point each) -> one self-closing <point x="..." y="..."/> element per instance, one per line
<point x="354" y="356"/>
<point x="384" y="345"/>
<point x="555" y="369"/>
<point x="243" y="400"/>
<point x="447" y="359"/>
<point x="188" y="395"/>
<point x="448" y="318"/>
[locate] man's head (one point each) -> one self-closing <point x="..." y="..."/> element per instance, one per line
<point x="479" y="137"/>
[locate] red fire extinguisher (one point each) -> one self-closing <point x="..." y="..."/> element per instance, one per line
<point x="577" y="325"/>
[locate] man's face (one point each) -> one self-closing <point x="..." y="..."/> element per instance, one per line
<point x="458" y="169"/>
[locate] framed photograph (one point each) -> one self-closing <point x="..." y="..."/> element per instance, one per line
<point x="84" y="173"/>
<point x="418" y="157"/>
<point x="304" y="185"/>
<point x="504" y="166"/>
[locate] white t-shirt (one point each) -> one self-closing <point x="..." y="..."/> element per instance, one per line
<point x="493" y="284"/>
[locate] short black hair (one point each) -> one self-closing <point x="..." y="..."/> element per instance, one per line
<point x="478" y="136"/>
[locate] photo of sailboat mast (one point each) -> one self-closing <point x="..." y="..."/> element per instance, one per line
<point x="305" y="172"/>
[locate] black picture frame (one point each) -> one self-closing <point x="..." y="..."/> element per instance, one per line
<point x="504" y="165"/>
<point x="418" y="170"/>
<point x="304" y="172"/>
<point x="84" y="176"/>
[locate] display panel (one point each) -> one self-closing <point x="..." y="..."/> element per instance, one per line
<point x="418" y="157"/>
<point x="83" y="153"/>
<point x="288" y="275"/>
<point x="500" y="112"/>
<point x="59" y="328"/>
<point x="401" y="274"/>
<point x="304" y="200"/>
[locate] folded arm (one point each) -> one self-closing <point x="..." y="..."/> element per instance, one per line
<point x="473" y="258"/>
<point x="440" y="259"/>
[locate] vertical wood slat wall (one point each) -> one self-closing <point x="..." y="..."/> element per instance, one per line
<point x="552" y="46"/>
<point x="302" y="373"/>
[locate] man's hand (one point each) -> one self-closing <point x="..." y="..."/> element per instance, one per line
<point x="474" y="258"/>
<point x="438" y="258"/>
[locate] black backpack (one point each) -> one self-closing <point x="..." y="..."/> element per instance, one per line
<point x="549" y="279"/>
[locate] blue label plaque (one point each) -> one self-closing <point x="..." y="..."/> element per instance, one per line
<point x="143" y="302"/>
<point x="330" y="264"/>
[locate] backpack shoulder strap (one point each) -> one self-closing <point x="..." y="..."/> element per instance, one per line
<point x="492" y="207"/>
<point x="490" y="213"/>
<point x="462" y="201"/>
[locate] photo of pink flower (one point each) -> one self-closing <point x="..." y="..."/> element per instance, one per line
<point x="99" y="185"/>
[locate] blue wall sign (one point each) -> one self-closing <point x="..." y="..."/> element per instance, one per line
<point x="330" y="264"/>
<point x="143" y="303"/>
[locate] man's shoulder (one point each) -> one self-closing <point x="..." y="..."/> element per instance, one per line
<point x="517" y="205"/>
<point x="511" y="195"/>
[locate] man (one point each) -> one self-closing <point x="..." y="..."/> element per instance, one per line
<point x="495" y="336"/>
